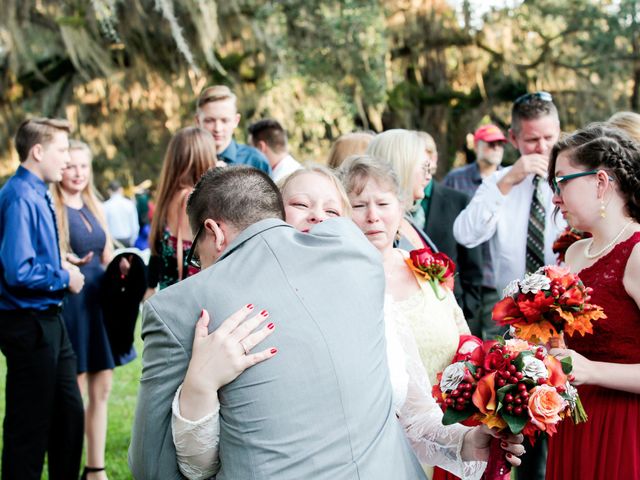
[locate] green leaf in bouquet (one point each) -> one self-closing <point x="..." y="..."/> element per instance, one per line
<point x="519" y="361"/>
<point x="567" y="366"/>
<point x="451" y="416"/>
<point x="471" y="367"/>
<point x="501" y="392"/>
<point x="515" y="423"/>
<point x="500" y="339"/>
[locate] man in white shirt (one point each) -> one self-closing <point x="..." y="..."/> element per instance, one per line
<point x="270" y="138"/>
<point x="122" y="216"/>
<point x="500" y="210"/>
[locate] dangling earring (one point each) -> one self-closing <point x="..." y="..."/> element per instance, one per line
<point x="398" y="236"/>
<point x="603" y="210"/>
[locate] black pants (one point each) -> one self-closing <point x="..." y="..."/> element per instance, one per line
<point x="44" y="411"/>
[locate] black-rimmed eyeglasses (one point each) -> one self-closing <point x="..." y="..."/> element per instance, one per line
<point x="544" y="96"/>
<point x="192" y="258"/>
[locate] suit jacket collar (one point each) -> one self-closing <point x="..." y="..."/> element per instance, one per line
<point x="250" y="232"/>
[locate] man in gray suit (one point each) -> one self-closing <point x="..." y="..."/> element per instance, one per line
<point x="321" y="408"/>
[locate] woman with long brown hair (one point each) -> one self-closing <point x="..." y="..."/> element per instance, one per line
<point x="190" y="153"/>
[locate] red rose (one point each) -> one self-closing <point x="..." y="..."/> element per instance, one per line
<point x="449" y="265"/>
<point x="422" y="258"/>
<point x="495" y="360"/>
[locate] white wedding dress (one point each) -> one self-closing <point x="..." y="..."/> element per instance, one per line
<point x="433" y="443"/>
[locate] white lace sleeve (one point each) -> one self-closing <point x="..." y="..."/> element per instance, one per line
<point x="196" y="442"/>
<point x="421" y="417"/>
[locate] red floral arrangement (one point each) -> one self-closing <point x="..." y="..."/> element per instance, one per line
<point x="507" y="385"/>
<point x="567" y="238"/>
<point x="435" y="268"/>
<point x="545" y="303"/>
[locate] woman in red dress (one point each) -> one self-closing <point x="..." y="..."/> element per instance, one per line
<point x="595" y="173"/>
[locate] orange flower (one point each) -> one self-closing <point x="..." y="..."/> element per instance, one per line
<point x="556" y="376"/>
<point x="534" y="309"/>
<point x="507" y="312"/>
<point x="545" y="405"/>
<point x="485" y="395"/>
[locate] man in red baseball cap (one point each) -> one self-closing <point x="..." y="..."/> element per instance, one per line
<point x="489" y="142"/>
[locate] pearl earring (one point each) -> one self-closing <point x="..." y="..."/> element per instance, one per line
<point x="603" y="211"/>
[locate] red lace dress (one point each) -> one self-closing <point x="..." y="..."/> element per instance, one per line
<point x="607" y="446"/>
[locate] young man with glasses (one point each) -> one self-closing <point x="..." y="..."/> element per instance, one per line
<point x="513" y="210"/>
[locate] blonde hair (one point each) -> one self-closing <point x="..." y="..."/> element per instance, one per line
<point x="190" y="153"/>
<point x="346" y="145"/>
<point x="402" y="149"/>
<point x="215" y="93"/>
<point x="629" y="122"/>
<point x="319" y="170"/>
<point x="90" y="197"/>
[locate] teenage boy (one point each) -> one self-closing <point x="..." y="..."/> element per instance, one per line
<point x="44" y="411"/>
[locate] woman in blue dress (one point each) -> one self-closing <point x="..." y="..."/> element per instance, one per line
<point x="85" y="242"/>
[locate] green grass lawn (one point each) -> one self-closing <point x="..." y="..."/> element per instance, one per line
<point x="121" y="409"/>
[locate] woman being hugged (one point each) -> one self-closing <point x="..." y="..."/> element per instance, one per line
<point x="190" y="153"/>
<point x="85" y="242"/>
<point x="429" y="308"/>
<point x="595" y="173"/>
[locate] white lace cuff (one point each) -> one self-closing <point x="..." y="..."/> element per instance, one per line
<point x="196" y="442"/>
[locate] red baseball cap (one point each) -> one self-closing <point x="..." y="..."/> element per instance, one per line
<point x="489" y="133"/>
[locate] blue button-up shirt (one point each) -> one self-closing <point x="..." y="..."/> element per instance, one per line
<point x="31" y="275"/>
<point x="238" y="154"/>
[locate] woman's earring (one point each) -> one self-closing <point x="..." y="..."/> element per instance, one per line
<point x="603" y="210"/>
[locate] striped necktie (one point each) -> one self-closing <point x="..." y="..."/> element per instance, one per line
<point x="535" y="232"/>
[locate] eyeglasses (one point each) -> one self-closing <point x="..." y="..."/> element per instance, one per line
<point x="558" y="181"/>
<point x="192" y="258"/>
<point x="544" y="96"/>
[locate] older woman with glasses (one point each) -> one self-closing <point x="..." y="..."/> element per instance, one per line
<point x="595" y="173"/>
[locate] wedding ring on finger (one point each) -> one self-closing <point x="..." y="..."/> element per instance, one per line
<point x="244" y="347"/>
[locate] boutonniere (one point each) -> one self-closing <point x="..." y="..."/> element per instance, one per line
<point x="435" y="268"/>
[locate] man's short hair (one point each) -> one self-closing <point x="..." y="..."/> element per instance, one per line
<point x="215" y="93"/>
<point x="270" y="132"/>
<point x="114" y="186"/>
<point x="238" y="195"/>
<point x="531" y="106"/>
<point x="35" y="131"/>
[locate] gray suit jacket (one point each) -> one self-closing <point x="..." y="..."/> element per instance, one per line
<point x="321" y="408"/>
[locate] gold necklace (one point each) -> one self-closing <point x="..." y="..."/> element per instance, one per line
<point x="591" y="256"/>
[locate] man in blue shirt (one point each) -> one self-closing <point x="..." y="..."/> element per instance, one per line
<point x="44" y="411"/>
<point x="216" y="112"/>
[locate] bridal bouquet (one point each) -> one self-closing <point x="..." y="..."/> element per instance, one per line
<point x="435" y="268"/>
<point x="545" y="303"/>
<point x="507" y="385"/>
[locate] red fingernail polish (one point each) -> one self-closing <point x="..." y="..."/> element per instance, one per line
<point x="264" y="313"/>
<point x="202" y="312"/>
<point x="270" y="326"/>
<point x="249" y="306"/>
<point x="508" y="455"/>
<point x="504" y="445"/>
<point x="274" y="351"/>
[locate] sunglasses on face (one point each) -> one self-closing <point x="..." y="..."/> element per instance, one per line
<point x="558" y="182"/>
<point x="193" y="259"/>
<point x="527" y="97"/>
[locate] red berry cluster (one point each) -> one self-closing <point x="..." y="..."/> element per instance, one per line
<point x="461" y="396"/>
<point x="556" y="288"/>
<point x="517" y="404"/>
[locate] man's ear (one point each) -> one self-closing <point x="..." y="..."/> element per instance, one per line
<point x="513" y="140"/>
<point x="220" y="233"/>
<point x="37" y="152"/>
<point x="262" y="146"/>
<point x="238" y="116"/>
<point x="196" y="118"/>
